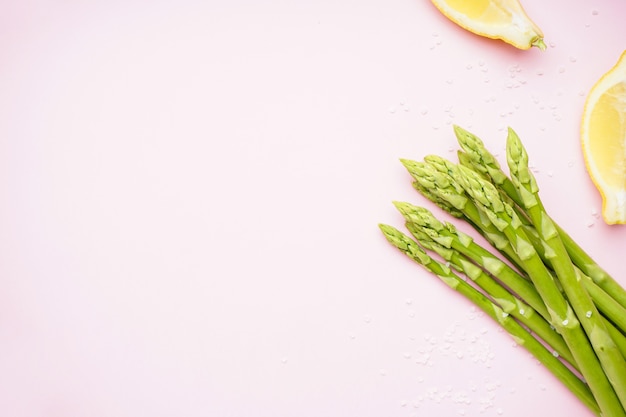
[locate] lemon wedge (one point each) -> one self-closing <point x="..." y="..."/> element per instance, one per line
<point x="495" y="19"/>
<point x="603" y="137"/>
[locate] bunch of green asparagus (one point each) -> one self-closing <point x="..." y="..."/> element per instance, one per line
<point x="534" y="280"/>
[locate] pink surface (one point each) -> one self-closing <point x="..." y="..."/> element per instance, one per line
<point x="191" y="192"/>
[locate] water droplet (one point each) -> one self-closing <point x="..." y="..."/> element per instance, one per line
<point x="561" y="70"/>
<point x="423" y="110"/>
<point x="572" y="59"/>
<point x="594" y="12"/>
<point x="588" y="314"/>
<point x="284" y="361"/>
<point x="367" y="319"/>
<point x="392" y="110"/>
<point x="540" y="73"/>
<point x="407" y="108"/>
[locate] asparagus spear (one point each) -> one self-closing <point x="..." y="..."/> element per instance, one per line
<point x="607" y="305"/>
<point x="563" y="317"/>
<point x="609" y="355"/>
<point x="434" y="176"/>
<point x="429" y="232"/>
<point x="511" y="278"/>
<point x="520" y="335"/>
<point x="448" y="236"/>
<point x="483" y="161"/>
<point x="611" y="308"/>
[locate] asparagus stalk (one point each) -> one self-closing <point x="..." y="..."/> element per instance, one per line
<point x="481" y="160"/>
<point x="443" y="177"/>
<point x="609" y="355"/>
<point x="607" y="305"/>
<point x="429" y="232"/>
<point x="520" y="335"/>
<point x="586" y="264"/>
<point x="434" y="176"/>
<point x="610" y="310"/>
<point x="448" y="236"/>
<point x="563" y="317"/>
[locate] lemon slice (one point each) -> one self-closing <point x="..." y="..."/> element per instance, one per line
<point x="603" y="137"/>
<point x="495" y="19"/>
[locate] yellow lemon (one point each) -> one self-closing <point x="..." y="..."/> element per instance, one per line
<point x="603" y="137"/>
<point x="495" y="19"/>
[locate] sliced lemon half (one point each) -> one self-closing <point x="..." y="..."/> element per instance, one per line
<point x="603" y="137"/>
<point x="495" y="19"/>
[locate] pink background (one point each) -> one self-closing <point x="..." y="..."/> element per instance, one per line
<point x="191" y="190"/>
